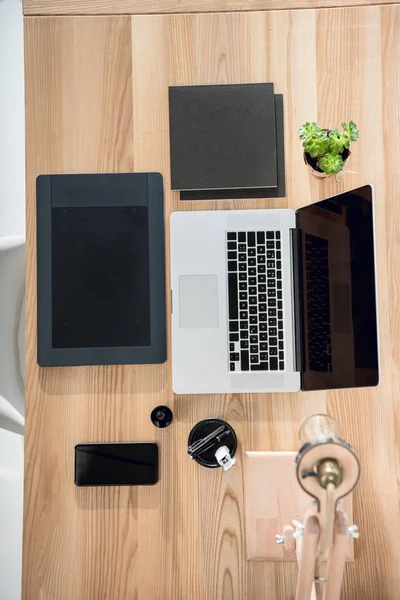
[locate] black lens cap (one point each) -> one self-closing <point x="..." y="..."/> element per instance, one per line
<point x="161" y="416"/>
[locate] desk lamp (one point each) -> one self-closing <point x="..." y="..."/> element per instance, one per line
<point x="327" y="469"/>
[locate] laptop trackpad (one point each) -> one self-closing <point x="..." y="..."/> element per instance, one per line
<point x="198" y="301"/>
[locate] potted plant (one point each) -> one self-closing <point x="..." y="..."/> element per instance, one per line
<point x="327" y="150"/>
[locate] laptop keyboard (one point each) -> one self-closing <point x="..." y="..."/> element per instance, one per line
<point x="255" y="301"/>
<point x="318" y="304"/>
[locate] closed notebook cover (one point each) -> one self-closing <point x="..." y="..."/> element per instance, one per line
<point x="272" y="192"/>
<point x="222" y="137"/>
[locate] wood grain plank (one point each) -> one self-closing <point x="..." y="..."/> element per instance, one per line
<point x="133" y="7"/>
<point x="350" y="85"/>
<point x="79" y="118"/>
<point x="176" y="41"/>
<point x="390" y="52"/>
<point x="97" y="100"/>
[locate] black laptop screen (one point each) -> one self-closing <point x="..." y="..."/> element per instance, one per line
<point x="337" y="292"/>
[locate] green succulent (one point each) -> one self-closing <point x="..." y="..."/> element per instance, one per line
<point x="331" y="163"/>
<point x="317" y="145"/>
<point x="308" y="130"/>
<point x="315" y="140"/>
<point x="328" y="147"/>
<point x="350" y="131"/>
<point x="338" y="141"/>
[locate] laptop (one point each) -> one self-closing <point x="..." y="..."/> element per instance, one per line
<point x="275" y="300"/>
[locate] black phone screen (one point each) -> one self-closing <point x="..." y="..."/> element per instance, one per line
<point x="116" y="464"/>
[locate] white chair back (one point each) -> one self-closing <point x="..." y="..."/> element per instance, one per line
<point x="12" y="332"/>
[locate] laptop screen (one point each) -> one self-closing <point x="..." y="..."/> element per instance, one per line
<point x="337" y="296"/>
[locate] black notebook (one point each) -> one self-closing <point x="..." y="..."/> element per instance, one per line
<point x="223" y="137"/>
<point x="271" y="192"/>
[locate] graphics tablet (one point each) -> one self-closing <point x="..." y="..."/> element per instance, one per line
<point x="100" y="269"/>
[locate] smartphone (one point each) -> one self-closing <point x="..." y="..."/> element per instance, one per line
<point x="116" y="464"/>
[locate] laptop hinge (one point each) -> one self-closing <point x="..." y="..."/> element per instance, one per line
<point x="295" y="240"/>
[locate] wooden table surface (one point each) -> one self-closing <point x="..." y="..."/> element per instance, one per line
<point x="96" y="101"/>
<point x="134" y="7"/>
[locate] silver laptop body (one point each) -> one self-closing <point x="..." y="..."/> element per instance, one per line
<point x="207" y="356"/>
